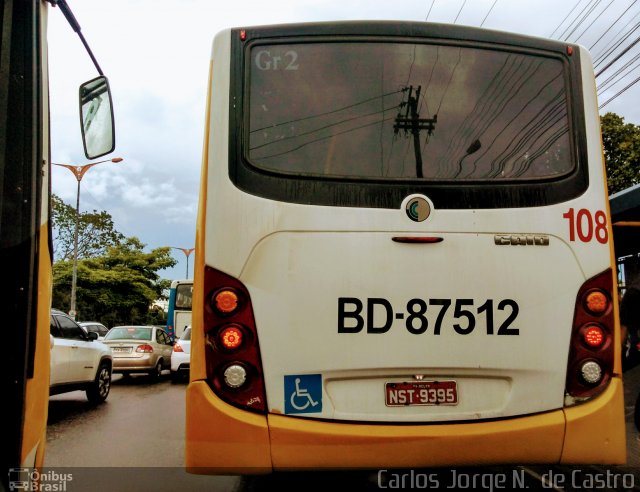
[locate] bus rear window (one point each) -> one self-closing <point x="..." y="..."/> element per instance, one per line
<point x="401" y="111"/>
<point x="184" y="296"/>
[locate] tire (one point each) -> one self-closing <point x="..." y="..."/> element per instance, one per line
<point x="176" y="377"/>
<point x="157" y="371"/>
<point x="99" y="389"/>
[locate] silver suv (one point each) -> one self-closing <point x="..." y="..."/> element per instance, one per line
<point x="78" y="360"/>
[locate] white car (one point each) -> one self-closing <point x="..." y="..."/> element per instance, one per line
<point x="94" y="326"/>
<point x="181" y="355"/>
<point x="78" y="360"/>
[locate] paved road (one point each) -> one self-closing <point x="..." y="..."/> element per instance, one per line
<point x="140" y="432"/>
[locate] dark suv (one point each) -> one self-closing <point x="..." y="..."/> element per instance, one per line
<point x="78" y="360"/>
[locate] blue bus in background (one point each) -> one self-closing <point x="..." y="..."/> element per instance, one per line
<point x="179" y="314"/>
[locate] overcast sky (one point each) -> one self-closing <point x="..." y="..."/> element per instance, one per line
<point x="156" y="56"/>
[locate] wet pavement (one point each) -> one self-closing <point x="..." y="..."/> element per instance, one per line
<point x="135" y="441"/>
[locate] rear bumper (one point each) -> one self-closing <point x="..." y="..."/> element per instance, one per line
<point x="141" y="364"/>
<point x="180" y="362"/>
<point x="184" y="367"/>
<point x="243" y="443"/>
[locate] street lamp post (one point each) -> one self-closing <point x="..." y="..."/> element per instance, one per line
<point x="79" y="172"/>
<point x="187" y="252"/>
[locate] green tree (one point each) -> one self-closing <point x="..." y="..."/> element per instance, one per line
<point x="621" y="143"/>
<point x="118" y="287"/>
<point x="96" y="231"/>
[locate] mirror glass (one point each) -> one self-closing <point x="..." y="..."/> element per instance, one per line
<point x="96" y="118"/>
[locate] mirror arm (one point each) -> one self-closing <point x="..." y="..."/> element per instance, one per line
<point x="76" y="27"/>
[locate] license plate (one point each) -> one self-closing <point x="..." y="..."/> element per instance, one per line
<point x="421" y="393"/>
<point x="121" y="350"/>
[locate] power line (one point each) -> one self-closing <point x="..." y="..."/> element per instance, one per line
<point x="429" y="13"/>
<point x="594" y="21"/>
<point x="566" y="33"/>
<point x="613" y="24"/>
<point x="543" y="149"/>
<point x="618" y="75"/>
<point x="566" y="17"/>
<point x="326" y="112"/>
<point x="500" y="91"/>
<point x="484" y="110"/>
<point x="450" y="79"/>
<point x="460" y="11"/>
<point x="619" y="93"/>
<point x="413" y="60"/>
<point x="302" y="134"/>
<point x="509" y="123"/>
<point x="549" y="116"/>
<point x="328" y="136"/>
<point x="485" y="17"/>
<point x="624" y="52"/>
<point x="614" y="45"/>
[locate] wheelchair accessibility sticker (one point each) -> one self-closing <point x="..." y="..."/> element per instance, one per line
<point x="303" y="393"/>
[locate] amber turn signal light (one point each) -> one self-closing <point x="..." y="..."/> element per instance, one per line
<point x="596" y="302"/>
<point x="226" y="301"/>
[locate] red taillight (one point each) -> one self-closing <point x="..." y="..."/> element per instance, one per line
<point x="177" y="347"/>
<point x="234" y="367"/>
<point x="591" y="351"/>
<point x="593" y="336"/>
<point x="231" y="337"/>
<point x="145" y="349"/>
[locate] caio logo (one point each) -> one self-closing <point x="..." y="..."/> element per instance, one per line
<point x="418" y="209"/>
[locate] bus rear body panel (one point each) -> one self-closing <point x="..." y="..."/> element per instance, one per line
<point x="362" y="311"/>
<point x="183" y="319"/>
<point x="397" y="310"/>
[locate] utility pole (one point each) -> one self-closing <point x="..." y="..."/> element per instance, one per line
<point x="413" y="122"/>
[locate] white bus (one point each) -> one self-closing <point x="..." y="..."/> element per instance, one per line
<point x="179" y="310"/>
<point x="404" y="253"/>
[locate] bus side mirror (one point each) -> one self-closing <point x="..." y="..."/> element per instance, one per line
<point x="96" y="118"/>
